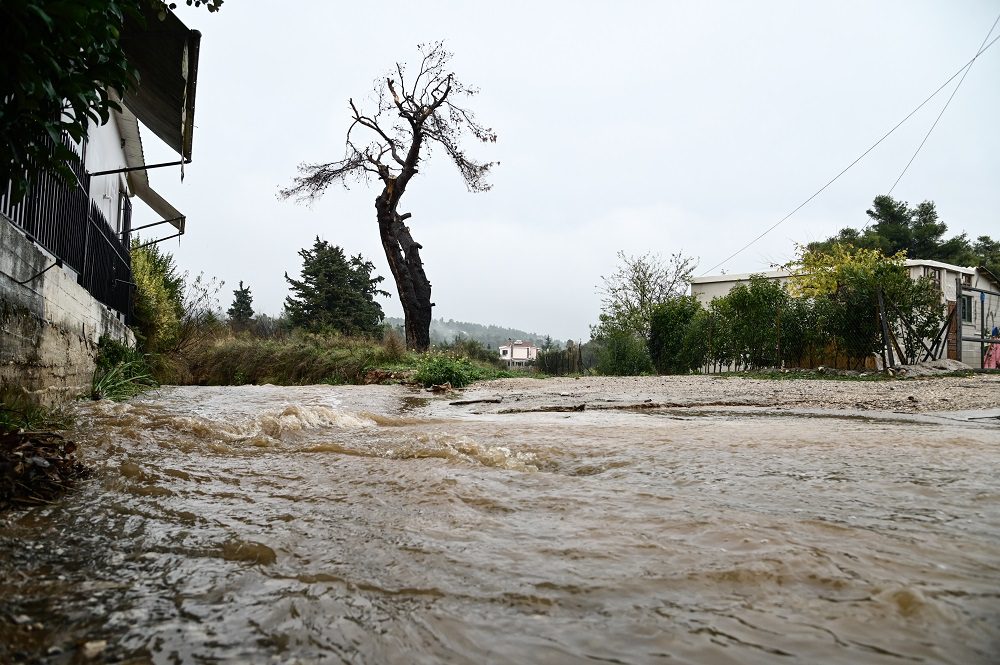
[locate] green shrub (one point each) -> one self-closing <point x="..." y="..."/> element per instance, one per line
<point x="158" y="299"/>
<point x="624" y="354"/>
<point x="121" y="371"/>
<point x="436" y="369"/>
<point x="674" y="345"/>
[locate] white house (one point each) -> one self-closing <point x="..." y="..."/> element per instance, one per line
<point x="975" y="292"/>
<point x="518" y="353"/>
<point x="709" y="287"/>
<point x="65" y="270"/>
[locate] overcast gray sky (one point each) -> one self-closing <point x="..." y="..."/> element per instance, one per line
<point x="635" y="126"/>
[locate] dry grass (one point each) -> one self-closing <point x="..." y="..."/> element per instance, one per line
<point x="300" y="358"/>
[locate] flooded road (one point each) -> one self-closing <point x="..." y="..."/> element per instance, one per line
<point x="377" y="524"/>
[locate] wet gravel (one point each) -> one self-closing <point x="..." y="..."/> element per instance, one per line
<point x="913" y="395"/>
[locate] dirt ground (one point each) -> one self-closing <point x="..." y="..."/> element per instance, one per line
<point x="925" y="394"/>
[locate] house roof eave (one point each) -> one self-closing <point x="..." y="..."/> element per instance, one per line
<point x="931" y="263"/>
<point x="165" y="54"/>
<point x="138" y="180"/>
<point x="740" y="277"/>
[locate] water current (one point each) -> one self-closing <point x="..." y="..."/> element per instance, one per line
<point x="329" y="524"/>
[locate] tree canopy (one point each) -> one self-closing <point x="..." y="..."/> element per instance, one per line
<point x="241" y="311"/>
<point x="843" y="282"/>
<point x="638" y="285"/>
<point x="335" y="292"/>
<point x="896" y="226"/>
<point x="60" y="61"/>
<point x="411" y="115"/>
<point x="676" y="345"/>
<point x="158" y="297"/>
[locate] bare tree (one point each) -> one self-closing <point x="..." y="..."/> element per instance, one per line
<point x="412" y="115"/>
<point x="637" y="286"/>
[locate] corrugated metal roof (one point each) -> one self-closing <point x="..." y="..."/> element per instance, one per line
<point x="165" y="53"/>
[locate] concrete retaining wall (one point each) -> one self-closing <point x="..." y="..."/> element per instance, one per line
<point x="49" y="326"/>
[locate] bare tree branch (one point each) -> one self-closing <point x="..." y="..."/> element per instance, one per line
<point x="405" y="121"/>
<point x="637" y="286"/>
<point x="371" y="124"/>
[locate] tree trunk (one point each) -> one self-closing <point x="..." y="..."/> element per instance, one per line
<point x="403" y="254"/>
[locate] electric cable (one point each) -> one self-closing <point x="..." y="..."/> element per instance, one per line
<point x="848" y="167"/>
<point x="945" y="108"/>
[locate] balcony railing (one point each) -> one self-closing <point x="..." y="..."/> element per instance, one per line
<point x="64" y="220"/>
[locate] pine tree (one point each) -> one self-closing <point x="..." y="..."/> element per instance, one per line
<point x="335" y="292"/>
<point x="241" y="311"/>
<point x="896" y="226"/>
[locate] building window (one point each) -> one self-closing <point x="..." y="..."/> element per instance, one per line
<point x="933" y="273"/>
<point x="123" y="218"/>
<point x="966" y="309"/>
<point x="966" y="279"/>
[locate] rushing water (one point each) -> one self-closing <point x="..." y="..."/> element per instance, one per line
<point x="378" y="525"/>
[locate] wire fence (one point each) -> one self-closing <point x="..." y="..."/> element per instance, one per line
<point x="576" y="358"/>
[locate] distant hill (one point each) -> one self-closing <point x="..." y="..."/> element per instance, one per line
<point x="445" y="332"/>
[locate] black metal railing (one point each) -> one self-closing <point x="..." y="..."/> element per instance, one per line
<point x="62" y="218"/>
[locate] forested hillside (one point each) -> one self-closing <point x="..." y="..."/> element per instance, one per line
<point x="447" y="331"/>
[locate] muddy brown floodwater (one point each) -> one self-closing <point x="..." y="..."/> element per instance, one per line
<point x="380" y="524"/>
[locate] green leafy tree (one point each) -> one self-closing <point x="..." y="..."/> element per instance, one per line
<point x="748" y="331"/>
<point x="988" y="251"/>
<point x="335" y="292"/>
<point x="638" y="285"/>
<point x="59" y="62"/>
<point x="896" y="226"/>
<point x="158" y="304"/>
<point x="623" y="354"/>
<point x="673" y="345"/>
<point x="842" y="282"/>
<point x="241" y="311"/>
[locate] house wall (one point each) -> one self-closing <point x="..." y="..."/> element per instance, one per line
<point x="705" y="289"/>
<point x="946" y="276"/>
<point x="519" y="353"/>
<point x="49" y="327"/>
<point x="985" y="313"/>
<point x="104" y="153"/>
<point x="708" y="291"/>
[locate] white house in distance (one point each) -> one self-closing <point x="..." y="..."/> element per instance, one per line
<point x="979" y="300"/>
<point x="518" y="353"/>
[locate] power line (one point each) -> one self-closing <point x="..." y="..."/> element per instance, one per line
<point x="945" y="108"/>
<point x="848" y="167"/>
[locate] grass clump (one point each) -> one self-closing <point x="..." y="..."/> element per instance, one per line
<point x="436" y="369"/>
<point x="121" y="372"/>
<point x="19" y="415"/>
<point x="36" y="463"/>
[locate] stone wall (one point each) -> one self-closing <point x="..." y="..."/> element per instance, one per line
<point x="49" y="326"/>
